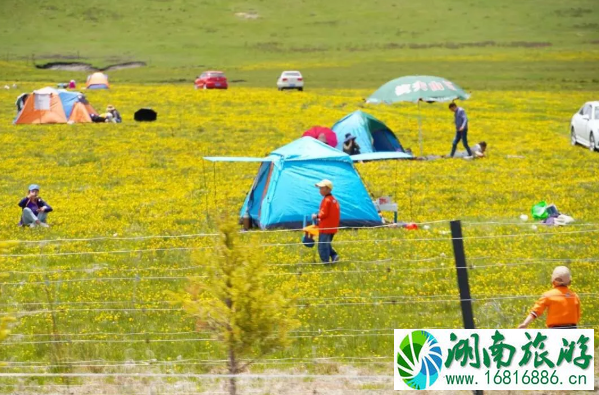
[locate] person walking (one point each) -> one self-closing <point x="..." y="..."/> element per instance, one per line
<point x="562" y="304"/>
<point x="35" y="209"/>
<point x="328" y="222"/>
<point x="461" y="128"/>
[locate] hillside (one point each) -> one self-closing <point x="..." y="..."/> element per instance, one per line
<point x="337" y="43"/>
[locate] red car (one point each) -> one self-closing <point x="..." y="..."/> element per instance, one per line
<point x="211" y="80"/>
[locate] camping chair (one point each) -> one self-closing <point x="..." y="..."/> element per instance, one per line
<point x="385" y="203"/>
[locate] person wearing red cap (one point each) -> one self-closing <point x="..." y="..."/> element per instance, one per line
<point x="562" y="304"/>
<point x="328" y="222"/>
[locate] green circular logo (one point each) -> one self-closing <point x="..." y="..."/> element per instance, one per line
<point x="419" y="360"/>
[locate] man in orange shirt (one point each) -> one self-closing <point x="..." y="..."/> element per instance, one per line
<point x="563" y="305"/>
<point x="328" y="222"/>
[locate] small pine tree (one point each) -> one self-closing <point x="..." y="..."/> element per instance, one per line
<point x="235" y="304"/>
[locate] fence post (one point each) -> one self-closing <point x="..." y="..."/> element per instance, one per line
<point x="462" y="272"/>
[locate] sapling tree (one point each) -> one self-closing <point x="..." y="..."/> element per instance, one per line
<point x="234" y="302"/>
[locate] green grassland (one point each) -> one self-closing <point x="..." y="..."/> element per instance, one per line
<point x="481" y="44"/>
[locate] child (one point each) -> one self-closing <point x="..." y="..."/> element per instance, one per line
<point x="328" y="222"/>
<point x="563" y="305"/>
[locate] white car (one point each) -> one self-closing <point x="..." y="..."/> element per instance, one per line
<point x="291" y="80"/>
<point x="584" y="128"/>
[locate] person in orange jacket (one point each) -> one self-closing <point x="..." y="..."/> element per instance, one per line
<point x="328" y="222"/>
<point x="562" y="304"/>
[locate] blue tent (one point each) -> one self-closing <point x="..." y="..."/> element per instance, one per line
<point x="283" y="192"/>
<point x="371" y="134"/>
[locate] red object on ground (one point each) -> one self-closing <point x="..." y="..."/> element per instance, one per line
<point x="211" y="80"/>
<point x="328" y="134"/>
<point x="411" y="226"/>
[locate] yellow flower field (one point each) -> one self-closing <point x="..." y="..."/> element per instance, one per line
<point x="102" y="297"/>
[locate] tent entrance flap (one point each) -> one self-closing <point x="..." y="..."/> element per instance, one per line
<point x="256" y="195"/>
<point x="385" y="140"/>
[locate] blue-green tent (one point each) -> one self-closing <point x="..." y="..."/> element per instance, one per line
<point x="283" y="192"/>
<point x="371" y="134"/>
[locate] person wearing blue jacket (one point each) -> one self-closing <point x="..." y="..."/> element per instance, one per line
<point x="461" y="128"/>
<point x="35" y="209"/>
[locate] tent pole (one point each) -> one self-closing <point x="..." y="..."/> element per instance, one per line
<point x="214" y="185"/>
<point x="420" y="127"/>
<point x="396" y="194"/>
<point x="205" y="189"/>
<point x="410" y="192"/>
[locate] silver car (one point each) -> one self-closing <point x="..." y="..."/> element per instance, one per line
<point x="584" y="128"/>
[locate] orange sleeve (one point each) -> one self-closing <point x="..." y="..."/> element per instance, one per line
<point x="539" y="308"/>
<point x="578" y="309"/>
<point x="324" y="209"/>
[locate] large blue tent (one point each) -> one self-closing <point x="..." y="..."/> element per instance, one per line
<point x="283" y="192"/>
<point x="371" y="134"/>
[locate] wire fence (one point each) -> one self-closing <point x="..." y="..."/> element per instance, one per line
<point x="68" y="330"/>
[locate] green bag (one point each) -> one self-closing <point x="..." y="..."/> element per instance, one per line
<point x="539" y="210"/>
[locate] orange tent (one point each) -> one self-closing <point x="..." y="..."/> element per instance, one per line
<point x="49" y="105"/>
<point x="97" y="81"/>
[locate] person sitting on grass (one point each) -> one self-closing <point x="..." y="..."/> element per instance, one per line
<point x="478" y="152"/>
<point x="116" y="115"/>
<point x="562" y="304"/>
<point x="35" y="209"/>
<point x="97" y="118"/>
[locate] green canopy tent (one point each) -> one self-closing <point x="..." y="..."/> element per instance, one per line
<point x="415" y="89"/>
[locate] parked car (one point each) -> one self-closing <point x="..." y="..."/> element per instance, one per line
<point x="291" y="80"/>
<point x="584" y="128"/>
<point x="211" y="80"/>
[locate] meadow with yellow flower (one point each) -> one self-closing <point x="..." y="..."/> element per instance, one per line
<point x="136" y="208"/>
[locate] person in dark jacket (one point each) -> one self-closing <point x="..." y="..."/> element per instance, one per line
<point x="350" y="146"/>
<point x="461" y="128"/>
<point x="35" y="209"/>
<point x="97" y="118"/>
